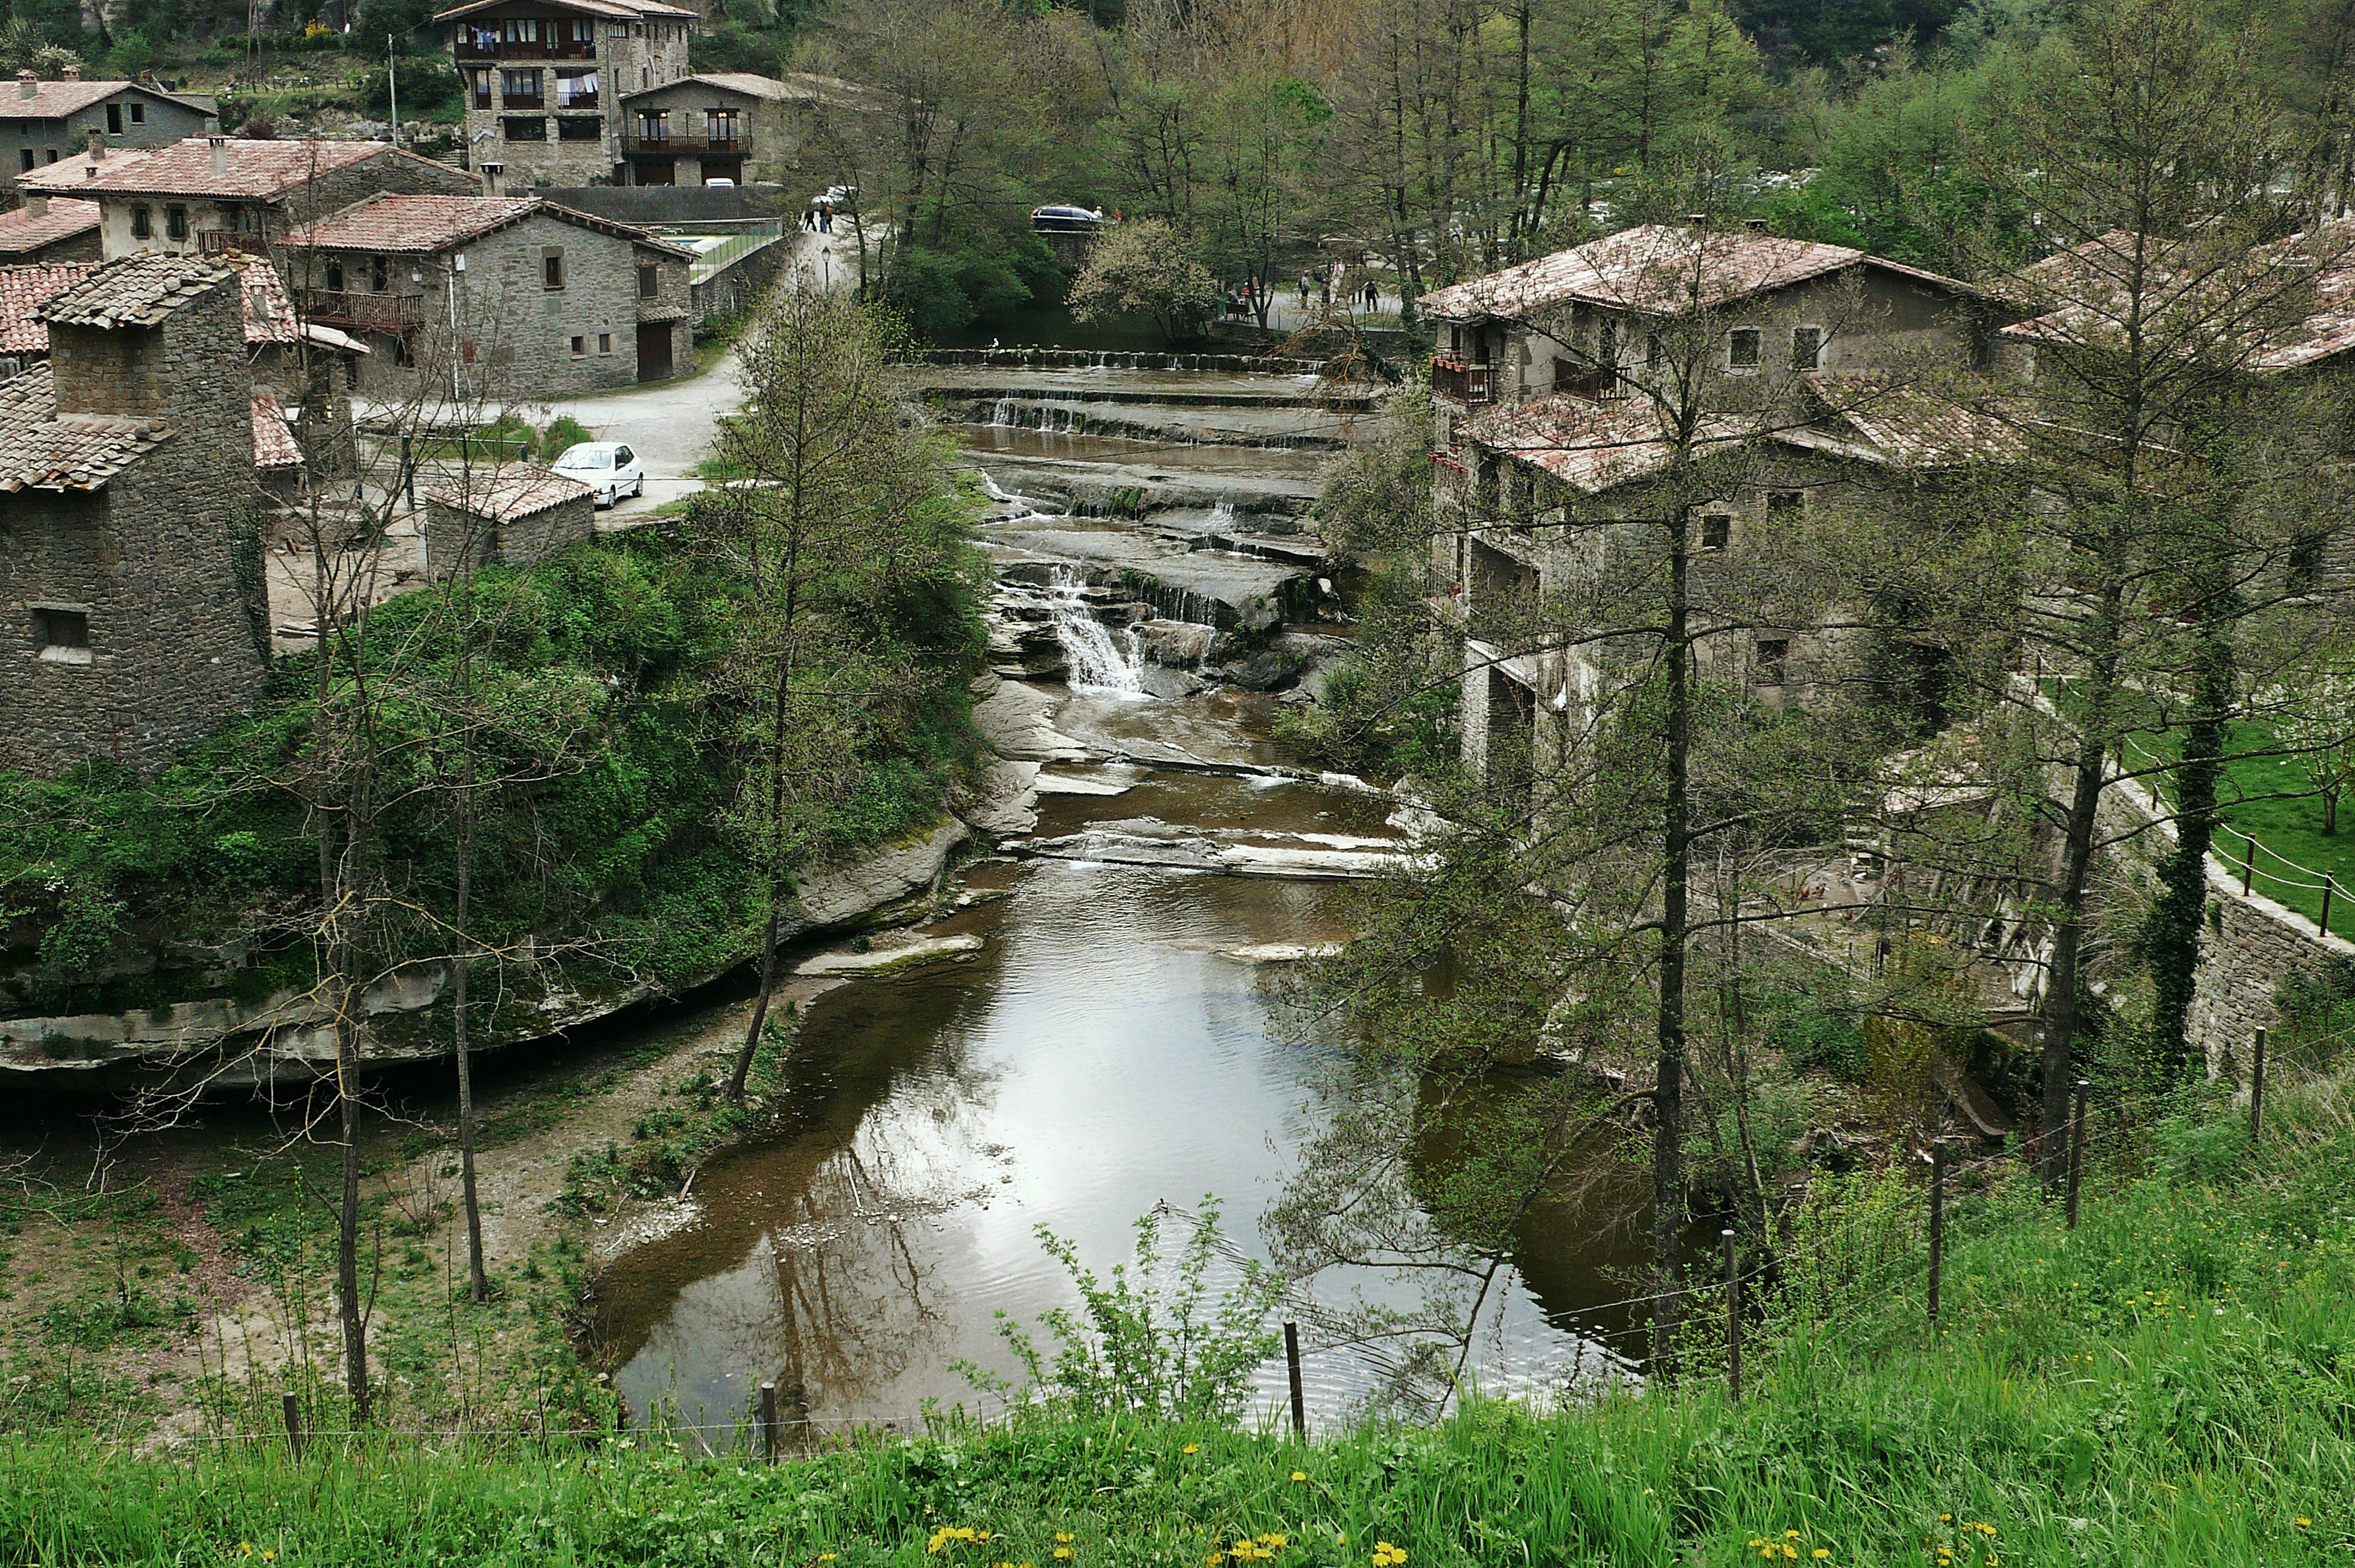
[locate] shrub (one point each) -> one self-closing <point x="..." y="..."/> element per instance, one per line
<point x="564" y="433"/>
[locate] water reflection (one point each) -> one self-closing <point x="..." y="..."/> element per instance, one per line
<point x="1103" y="1053"/>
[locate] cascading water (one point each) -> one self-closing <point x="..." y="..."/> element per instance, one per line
<point x="1002" y="413"/>
<point x="1096" y="659"/>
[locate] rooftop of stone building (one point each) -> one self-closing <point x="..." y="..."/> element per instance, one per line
<point x="224" y="166"/>
<point x="39" y="450"/>
<point x="1666" y="269"/>
<point x="23" y="291"/>
<point x="56" y="100"/>
<point x="394" y="223"/>
<point x="507" y="494"/>
<point x="274" y="444"/>
<point x="269" y="313"/>
<point x="136" y="291"/>
<point x="615" y="10"/>
<point x="24" y="230"/>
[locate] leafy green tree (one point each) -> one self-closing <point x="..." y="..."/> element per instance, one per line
<point x="1144" y="268"/>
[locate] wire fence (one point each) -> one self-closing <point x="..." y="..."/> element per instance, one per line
<point x="2317" y="894"/>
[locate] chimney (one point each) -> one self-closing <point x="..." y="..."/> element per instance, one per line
<point x="72" y="72"/>
<point x="495" y="179"/>
<point x="97" y="143"/>
<point x="27" y="85"/>
<point x="37" y="203"/>
<point x="220" y="144"/>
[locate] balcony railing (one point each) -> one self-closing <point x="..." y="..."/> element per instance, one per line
<point x="1465" y="383"/>
<point x="370" y="313"/>
<point x="536" y="102"/>
<point x="214" y="241"/>
<point x="634" y="139"/>
<point x="469" y="51"/>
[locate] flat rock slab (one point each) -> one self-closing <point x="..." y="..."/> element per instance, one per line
<point x="887" y="957"/>
<point x="1017" y="720"/>
<point x="1060" y="784"/>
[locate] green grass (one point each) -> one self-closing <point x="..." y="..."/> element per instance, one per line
<point x="2171" y="1383"/>
<point x="2272" y="797"/>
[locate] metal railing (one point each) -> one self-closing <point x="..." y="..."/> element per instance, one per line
<point x="379" y="312"/>
<point x="1465" y="383"/>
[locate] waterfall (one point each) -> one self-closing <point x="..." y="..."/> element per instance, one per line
<point x="1095" y="660"/>
<point x="1222" y="517"/>
<point x="1003" y="414"/>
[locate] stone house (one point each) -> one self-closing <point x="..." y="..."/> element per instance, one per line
<point x="730" y="125"/>
<point x="224" y="193"/>
<point x="513" y="515"/>
<point x="44" y="229"/>
<point x="544" y="80"/>
<point x="130" y="615"/>
<point x="528" y="298"/>
<point x="44" y="121"/>
<point x="1548" y="383"/>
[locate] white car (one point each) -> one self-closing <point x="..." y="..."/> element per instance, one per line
<point x="608" y="467"/>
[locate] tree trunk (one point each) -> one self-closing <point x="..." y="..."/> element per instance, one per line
<point x="1667" y="1089"/>
<point x="2173" y="946"/>
<point x="478" y="1280"/>
<point x="744" y="1067"/>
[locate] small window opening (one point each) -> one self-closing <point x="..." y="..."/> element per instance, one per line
<point x="551" y="270"/>
<point x="176" y="222"/>
<point x="115" y="120"/>
<point x="139" y="114"/>
<point x="1741" y="348"/>
<point x="1716" y="530"/>
<point x="1785" y="505"/>
<point x="62" y="636"/>
<point x="1806" y="348"/>
<point x="1774" y="661"/>
<point x="649" y="282"/>
<point x="579" y="347"/>
<point x="143" y="227"/>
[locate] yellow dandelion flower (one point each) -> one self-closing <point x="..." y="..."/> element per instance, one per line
<point x="1790" y="1535"/>
<point x="1192" y="1448"/>
<point x="269" y="1554"/>
<point x="2304" y="1522"/>
<point x="1064" y="1554"/>
<point x="1299" y="1474"/>
<point x="1820" y="1553"/>
<point x="1945" y="1519"/>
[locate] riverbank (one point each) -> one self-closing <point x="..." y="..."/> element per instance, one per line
<point x="2167" y="1384"/>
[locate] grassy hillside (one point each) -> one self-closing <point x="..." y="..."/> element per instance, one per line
<point x="2171" y="1383"/>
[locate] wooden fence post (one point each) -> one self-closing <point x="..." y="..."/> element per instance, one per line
<point x="1732" y="1320"/>
<point x="1292" y="1365"/>
<point x="2329" y="886"/>
<point x="293" y="1408"/>
<point x="1938" y="1222"/>
<point x="2077" y="1146"/>
<point x="2257" y="1090"/>
<point x="2248" y="861"/>
<point x="768" y="1424"/>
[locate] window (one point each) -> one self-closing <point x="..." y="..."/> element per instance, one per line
<point x="50" y="156"/>
<point x="139" y="114"/>
<point x="579" y="347"/>
<point x="335" y="274"/>
<point x="1774" y="661"/>
<point x="617" y="29"/>
<point x="61" y="634"/>
<point x="1787" y="506"/>
<point x="481" y="82"/>
<point x="520" y="128"/>
<point x="379" y="274"/>
<point x="604" y="343"/>
<point x="115" y="120"/>
<point x="654" y="125"/>
<point x="623" y="457"/>
<point x="176" y="221"/>
<point x="551" y="268"/>
<point x="520" y="90"/>
<point x="26" y="154"/>
<point x="579" y="128"/>
<point x="1806" y="348"/>
<point x="649" y="282"/>
<point x="1716" y="530"/>
<point x="520" y="30"/>
<point x="576" y="90"/>
<point x="1741" y="348"/>
<point x="719" y="126"/>
<point x="1651" y="349"/>
<point x="2304" y="568"/>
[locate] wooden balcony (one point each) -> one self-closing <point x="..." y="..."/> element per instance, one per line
<point x="365" y="311"/>
<point x="1464" y="383"/>
<point x="467" y="53"/>
<point x="214" y="241"/>
<point x="634" y="140"/>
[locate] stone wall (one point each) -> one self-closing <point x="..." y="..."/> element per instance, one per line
<point x="152" y="560"/>
<point x="517" y="542"/>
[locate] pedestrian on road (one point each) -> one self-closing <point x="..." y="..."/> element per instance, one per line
<point x="1304" y="291"/>
<point x="1373" y="297"/>
<point x="1325" y="291"/>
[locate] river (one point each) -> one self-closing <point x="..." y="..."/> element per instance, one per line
<point x="1110" y="1045"/>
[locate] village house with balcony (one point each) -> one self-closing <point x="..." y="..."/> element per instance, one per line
<point x="43" y="123"/>
<point x="1549" y="381"/>
<point x="517" y="295"/>
<point x="217" y="194"/>
<point x="730" y="125"/>
<point x="544" y="81"/>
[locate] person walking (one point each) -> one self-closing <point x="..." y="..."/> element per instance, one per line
<point x="1373" y="297"/>
<point x="1325" y="291"/>
<point x="1304" y="291"/>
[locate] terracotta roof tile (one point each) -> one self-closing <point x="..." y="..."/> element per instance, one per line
<point x="1661" y="268"/>
<point x="39" y="451"/>
<point x="424" y="225"/>
<point x="619" y="10"/>
<point x="1592" y="446"/>
<point x="249" y="170"/>
<point x="507" y="494"/>
<point x="23" y="291"/>
<point x="56" y="100"/>
<point x="274" y="444"/>
<point x="23" y="230"/>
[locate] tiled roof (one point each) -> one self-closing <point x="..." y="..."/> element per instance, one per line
<point x="1593" y="446"/>
<point x="23" y="291"/>
<point x="40" y="450"/>
<point x="269" y="313"/>
<point x="390" y="222"/>
<point x="801" y="88"/>
<point x="22" y="230"/>
<point x="56" y="100"/>
<point x="274" y="444"/>
<point x="618" y="10"/>
<point x="1661" y="268"/>
<point x="249" y="170"/>
<point x="1906" y="426"/>
<point x="138" y="290"/>
<point x="521" y="490"/>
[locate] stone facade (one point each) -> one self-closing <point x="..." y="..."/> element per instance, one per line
<point x="514" y="516"/>
<point x="718" y="125"/>
<point x="544" y="80"/>
<point x="43" y="123"/>
<point x="130" y="619"/>
<point x="515" y="335"/>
